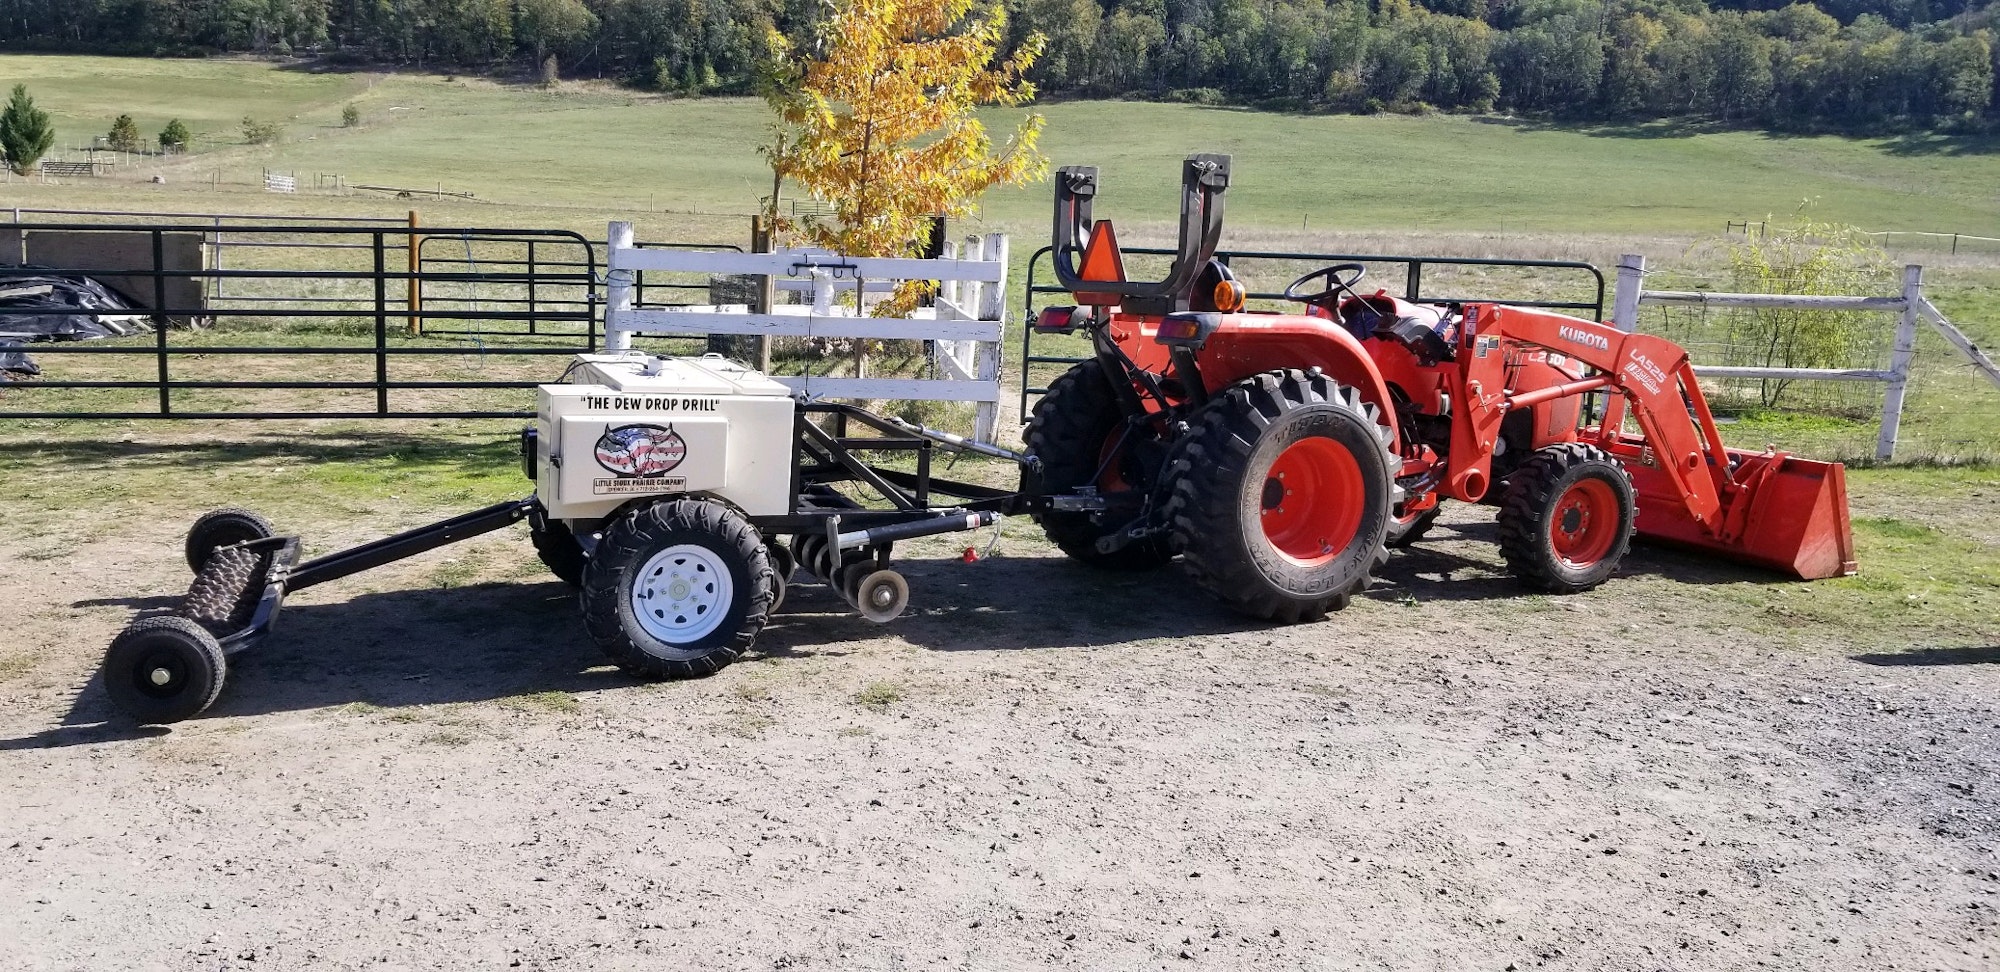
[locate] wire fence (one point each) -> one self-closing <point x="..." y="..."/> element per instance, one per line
<point x="1948" y="409"/>
<point x="1953" y="243"/>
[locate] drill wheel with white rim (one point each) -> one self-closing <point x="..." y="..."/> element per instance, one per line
<point x="678" y="588"/>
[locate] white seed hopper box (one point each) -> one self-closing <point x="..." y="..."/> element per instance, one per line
<point x="632" y="425"/>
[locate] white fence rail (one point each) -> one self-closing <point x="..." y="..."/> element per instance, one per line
<point x="965" y="327"/>
<point x="1910" y="305"/>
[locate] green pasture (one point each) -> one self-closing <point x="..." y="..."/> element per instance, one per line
<point x="609" y="149"/>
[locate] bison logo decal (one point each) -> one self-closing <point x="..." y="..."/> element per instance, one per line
<point x="640" y="451"/>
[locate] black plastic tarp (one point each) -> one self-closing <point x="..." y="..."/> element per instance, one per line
<point x="16" y="364"/>
<point x="93" y="310"/>
<point x="69" y="308"/>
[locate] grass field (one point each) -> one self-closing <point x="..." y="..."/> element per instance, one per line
<point x="598" y="147"/>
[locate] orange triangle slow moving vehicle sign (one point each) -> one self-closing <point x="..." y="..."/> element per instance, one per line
<point x="1101" y="261"/>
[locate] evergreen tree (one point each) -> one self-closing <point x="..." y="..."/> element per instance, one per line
<point x="25" y="131"/>
<point x="175" y="137"/>
<point x="124" y="135"/>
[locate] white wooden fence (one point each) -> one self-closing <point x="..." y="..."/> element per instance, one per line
<point x="965" y="326"/>
<point x="1910" y="305"/>
<point x="273" y="182"/>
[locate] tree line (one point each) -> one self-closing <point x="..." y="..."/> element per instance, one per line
<point x="1833" y="65"/>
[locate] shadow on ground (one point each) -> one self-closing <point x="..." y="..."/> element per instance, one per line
<point x="483" y="642"/>
<point x="1649" y="129"/>
<point x="1428" y="572"/>
<point x="1969" y="655"/>
<point x="432" y="646"/>
<point x="1905" y="144"/>
<point x="330" y="447"/>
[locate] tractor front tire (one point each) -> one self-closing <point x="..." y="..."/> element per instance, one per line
<point x="1282" y="496"/>
<point x="678" y="589"/>
<point x="225" y="527"/>
<point x="1566" y="518"/>
<point x="164" y="669"/>
<point x="1073" y="432"/>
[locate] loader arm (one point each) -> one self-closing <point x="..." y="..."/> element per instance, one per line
<point x="1766" y="508"/>
<point x="1652" y="373"/>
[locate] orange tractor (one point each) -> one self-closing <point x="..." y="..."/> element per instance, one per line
<point x="1280" y="455"/>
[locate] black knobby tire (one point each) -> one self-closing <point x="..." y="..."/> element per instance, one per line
<point x="1070" y="430"/>
<point x="638" y="548"/>
<point x="223" y="598"/>
<point x="225" y="527"/>
<point x="1407" y="530"/>
<point x="164" y="669"/>
<point x="559" y="550"/>
<point x="1566" y="518"/>
<point x="1226" y="486"/>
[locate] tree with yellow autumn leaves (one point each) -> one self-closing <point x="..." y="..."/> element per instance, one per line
<point x="878" y="119"/>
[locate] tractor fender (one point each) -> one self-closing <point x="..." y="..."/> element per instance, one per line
<point x="1250" y="344"/>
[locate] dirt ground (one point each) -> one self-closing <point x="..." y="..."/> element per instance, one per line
<point x="428" y="767"/>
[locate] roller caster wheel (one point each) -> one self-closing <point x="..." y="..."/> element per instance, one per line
<point x="164" y="669"/>
<point x="223" y="528"/>
<point x="783" y="565"/>
<point x="880" y="595"/>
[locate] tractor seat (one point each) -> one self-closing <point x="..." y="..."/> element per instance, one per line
<point x="1425" y="329"/>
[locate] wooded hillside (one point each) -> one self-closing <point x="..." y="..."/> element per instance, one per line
<point x="1834" y="65"/>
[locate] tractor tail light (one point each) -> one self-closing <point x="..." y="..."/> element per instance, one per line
<point x="1187" y="329"/>
<point x="1057" y="320"/>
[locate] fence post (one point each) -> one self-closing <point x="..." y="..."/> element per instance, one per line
<point x="217" y="281"/>
<point x="992" y="307"/>
<point x="164" y="325"/>
<point x="534" y="272"/>
<point x="1899" y="363"/>
<point x="382" y="321"/>
<point x="618" y="287"/>
<point x="1625" y="302"/>
<point x="416" y="286"/>
<point x="767" y="288"/>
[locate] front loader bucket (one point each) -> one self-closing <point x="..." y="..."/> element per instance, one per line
<point x="1789" y="515"/>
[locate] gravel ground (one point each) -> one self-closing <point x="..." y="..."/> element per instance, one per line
<point x="429" y="767"/>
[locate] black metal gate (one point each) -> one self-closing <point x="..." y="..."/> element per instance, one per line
<point x="346" y="305"/>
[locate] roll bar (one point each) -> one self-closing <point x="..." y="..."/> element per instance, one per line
<point x="1204" y="177"/>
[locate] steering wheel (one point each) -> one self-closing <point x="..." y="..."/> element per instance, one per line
<point x="1340" y="278"/>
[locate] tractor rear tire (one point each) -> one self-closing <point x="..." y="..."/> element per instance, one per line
<point x="1566" y="518"/>
<point x="559" y="550"/>
<point x="225" y="527"/>
<point x="678" y="589"/>
<point x="1244" y="532"/>
<point x="1073" y="428"/>
<point x="164" y="669"/>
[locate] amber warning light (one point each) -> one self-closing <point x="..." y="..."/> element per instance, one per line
<point x="1228" y="296"/>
